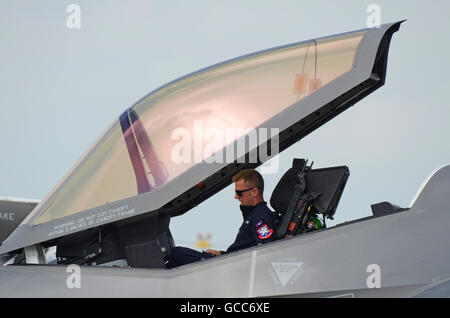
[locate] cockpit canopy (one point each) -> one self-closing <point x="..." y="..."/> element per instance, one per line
<point x="191" y="128"/>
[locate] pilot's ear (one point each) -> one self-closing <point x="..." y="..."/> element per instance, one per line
<point x="259" y="191"/>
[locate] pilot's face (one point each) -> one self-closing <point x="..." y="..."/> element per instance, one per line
<point x="246" y="197"/>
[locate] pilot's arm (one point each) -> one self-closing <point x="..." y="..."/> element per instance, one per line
<point x="257" y="231"/>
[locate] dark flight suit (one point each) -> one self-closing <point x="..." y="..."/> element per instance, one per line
<point x="258" y="227"/>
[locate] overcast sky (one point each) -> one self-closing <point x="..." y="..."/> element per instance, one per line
<point x="60" y="88"/>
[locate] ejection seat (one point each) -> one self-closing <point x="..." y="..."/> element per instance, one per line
<point x="304" y="197"/>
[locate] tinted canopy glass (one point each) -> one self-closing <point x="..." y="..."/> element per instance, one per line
<point x="141" y="150"/>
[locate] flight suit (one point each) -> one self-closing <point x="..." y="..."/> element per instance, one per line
<point x="258" y="226"/>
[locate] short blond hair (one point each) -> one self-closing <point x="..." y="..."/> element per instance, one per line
<point x="252" y="177"/>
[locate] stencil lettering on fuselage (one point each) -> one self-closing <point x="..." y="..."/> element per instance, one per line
<point x="7" y="216"/>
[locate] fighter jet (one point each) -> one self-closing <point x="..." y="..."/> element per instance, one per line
<point x="182" y="143"/>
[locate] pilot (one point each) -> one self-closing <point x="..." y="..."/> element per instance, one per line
<point x="258" y="224"/>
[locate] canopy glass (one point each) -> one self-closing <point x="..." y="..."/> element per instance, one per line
<point x="166" y="133"/>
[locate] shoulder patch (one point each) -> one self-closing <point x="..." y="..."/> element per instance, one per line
<point x="263" y="230"/>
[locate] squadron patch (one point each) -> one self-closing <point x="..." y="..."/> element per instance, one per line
<point x="263" y="230"/>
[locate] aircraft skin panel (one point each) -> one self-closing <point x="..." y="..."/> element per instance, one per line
<point x="12" y="212"/>
<point x="408" y="249"/>
<point x="31" y="231"/>
<point x="384" y="292"/>
<point x="425" y="185"/>
<point x="439" y="289"/>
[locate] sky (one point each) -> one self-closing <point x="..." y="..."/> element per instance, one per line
<point x="60" y="88"/>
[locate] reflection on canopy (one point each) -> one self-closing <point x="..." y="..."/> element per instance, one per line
<point x="134" y="155"/>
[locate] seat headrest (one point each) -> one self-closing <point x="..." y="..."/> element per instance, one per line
<point x="282" y="193"/>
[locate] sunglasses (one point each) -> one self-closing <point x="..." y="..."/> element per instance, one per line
<point x="239" y="192"/>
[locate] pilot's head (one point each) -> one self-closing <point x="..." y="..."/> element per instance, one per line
<point x="249" y="187"/>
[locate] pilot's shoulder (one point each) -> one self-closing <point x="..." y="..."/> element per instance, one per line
<point x="263" y="212"/>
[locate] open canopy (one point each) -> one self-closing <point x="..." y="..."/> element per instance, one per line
<point x="190" y="129"/>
